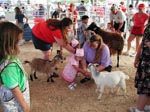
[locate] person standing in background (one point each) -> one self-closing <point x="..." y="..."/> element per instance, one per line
<point x="117" y="19"/>
<point x="19" y="16"/>
<point x="73" y="14"/>
<point x="139" y="19"/>
<point x="130" y="13"/>
<point x="82" y="9"/>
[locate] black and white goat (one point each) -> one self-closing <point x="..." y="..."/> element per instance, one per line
<point x="109" y="79"/>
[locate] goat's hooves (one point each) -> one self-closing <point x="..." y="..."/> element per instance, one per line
<point x="125" y="96"/>
<point x="52" y="80"/>
<point x="99" y="99"/>
<point x="36" y="78"/>
<point x="47" y="80"/>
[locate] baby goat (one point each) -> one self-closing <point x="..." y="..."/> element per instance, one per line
<point x="110" y="79"/>
<point x="44" y="66"/>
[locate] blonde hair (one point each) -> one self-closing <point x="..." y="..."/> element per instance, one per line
<point x="9" y="38"/>
<point x="60" y="24"/>
<point x="97" y="38"/>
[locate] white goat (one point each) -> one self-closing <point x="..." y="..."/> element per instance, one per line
<point x="110" y="79"/>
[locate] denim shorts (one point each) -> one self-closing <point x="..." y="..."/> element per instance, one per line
<point x="40" y="44"/>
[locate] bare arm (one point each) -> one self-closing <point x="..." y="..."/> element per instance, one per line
<point x="120" y="26"/>
<point x="83" y="64"/>
<point x="100" y="68"/>
<point x="64" y="45"/>
<point x="19" y="97"/>
<point x="26" y="19"/>
<point x="17" y="22"/>
<point x="84" y="72"/>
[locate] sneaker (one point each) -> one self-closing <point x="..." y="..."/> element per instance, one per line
<point x="147" y="109"/>
<point x="86" y="79"/>
<point x="132" y="54"/>
<point x="126" y="53"/>
<point x="134" y="109"/>
<point x="71" y="87"/>
<point x="75" y="84"/>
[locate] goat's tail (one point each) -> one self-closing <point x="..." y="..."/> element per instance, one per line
<point x="26" y="61"/>
<point x="127" y="77"/>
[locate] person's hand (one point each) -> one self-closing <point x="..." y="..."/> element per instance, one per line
<point x="136" y="63"/>
<point x="112" y="29"/>
<point x="88" y="73"/>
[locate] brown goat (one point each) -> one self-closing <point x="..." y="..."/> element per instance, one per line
<point x="114" y="41"/>
<point x="45" y="66"/>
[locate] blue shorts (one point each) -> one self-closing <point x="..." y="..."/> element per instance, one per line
<point x="40" y="44"/>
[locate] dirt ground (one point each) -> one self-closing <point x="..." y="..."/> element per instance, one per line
<point x="56" y="97"/>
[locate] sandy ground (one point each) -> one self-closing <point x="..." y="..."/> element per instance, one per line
<point x="56" y="97"/>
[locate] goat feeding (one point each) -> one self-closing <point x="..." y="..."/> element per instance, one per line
<point x="109" y="79"/>
<point x="45" y="66"/>
<point x="114" y="41"/>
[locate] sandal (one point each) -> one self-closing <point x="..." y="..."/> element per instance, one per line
<point x="86" y="79"/>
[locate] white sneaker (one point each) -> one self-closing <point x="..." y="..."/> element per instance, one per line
<point x="126" y="53"/>
<point x="75" y="84"/>
<point x="147" y="108"/>
<point x="71" y="86"/>
<point x="132" y="54"/>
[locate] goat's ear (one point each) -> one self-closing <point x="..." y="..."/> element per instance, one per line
<point x="89" y="64"/>
<point x="96" y="65"/>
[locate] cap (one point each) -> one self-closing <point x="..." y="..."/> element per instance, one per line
<point x="113" y="7"/>
<point x="74" y="42"/>
<point x="71" y="5"/>
<point x="79" y="52"/>
<point x="141" y="6"/>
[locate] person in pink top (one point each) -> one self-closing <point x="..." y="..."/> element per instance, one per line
<point x="46" y="33"/>
<point x="139" y="20"/>
<point x="72" y="67"/>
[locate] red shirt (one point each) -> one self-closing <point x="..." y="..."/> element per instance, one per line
<point x="123" y="9"/>
<point x="45" y="33"/>
<point x="139" y="23"/>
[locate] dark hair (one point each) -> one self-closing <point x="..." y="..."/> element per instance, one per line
<point x="9" y="38"/>
<point x="60" y="24"/>
<point x="82" y="1"/>
<point x="130" y="6"/>
<point x="85" y="17"/>
<point x="17" y="10"/>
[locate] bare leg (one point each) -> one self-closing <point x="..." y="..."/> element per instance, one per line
<point x="101" y="92"/>
<point x="130" y="39"/>
<point x="138" y="39"/>
<point x="142" y="101"/>
<point x="47" y="54"/>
